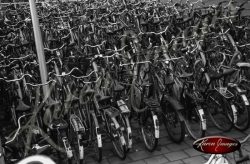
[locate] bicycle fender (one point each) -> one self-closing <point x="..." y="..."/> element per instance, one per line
<point x="76" y="123"/>
<point x="112" y="112"/>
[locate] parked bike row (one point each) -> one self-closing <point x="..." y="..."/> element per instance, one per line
<point x="181" y="65"/>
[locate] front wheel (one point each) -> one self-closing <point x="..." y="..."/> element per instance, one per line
<point x="96" y="138"/>
<point x="150" y="130"/>
<point x="195" y="122"/>
<point x="117" y="137"/>
<point x="174" y="125"/>
<point x="126" y="129"/>
<point x="219" y="111"/>
<point x="243" y="114"/>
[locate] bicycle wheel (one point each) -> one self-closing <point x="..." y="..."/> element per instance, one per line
<point x="173" y="124"/>
<point x="243" y="114"/>
<point x="219" y="111"/>
<point x="150" y="130"/>
<point x="126" y="129"/>
<point x="69" y="156"/>
<point x="117" y="137"/>
<point x="75" y="138"/>
<point x="195" y="122"/>
<point x="96" y="137"/>
<point x="200" y="77"/>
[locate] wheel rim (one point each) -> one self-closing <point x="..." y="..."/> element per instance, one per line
<point x="218" y="112"/>
<point x="148" y="134"/>
<point x="117" y="142"/>
<point x="194" y="124"/>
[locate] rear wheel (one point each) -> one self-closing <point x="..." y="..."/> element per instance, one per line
<point x="219" y="111"/>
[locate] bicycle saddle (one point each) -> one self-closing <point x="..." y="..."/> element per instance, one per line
<point x="243" y="65"/>
<point x="146" y="84"/>
<point x="118" y="87"/>
<point x="58" y="124"/>
<point x="22" y="106"/>
<point x="101" y="98"/>
<point x="169" y="81"/>
<point x="226" y="72"/>
<point x="186" y="75"/>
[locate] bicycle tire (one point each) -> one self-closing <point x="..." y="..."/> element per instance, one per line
<point x="194" y="121"/>
<point x="127" y="132"/>
<point x="62" y="157"/>
<point x="117" y="137"/>
<point x="200" y="78"/>
<point x="225" y="111"/>
<point x="148" y="125"/>
<point x="77" y="148"/>
<point x="243" y="113"/>
<point x="174" y="126"/>
<point x="96" y="137"/>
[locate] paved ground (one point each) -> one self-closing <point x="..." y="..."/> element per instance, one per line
<point x="167" y="151"/>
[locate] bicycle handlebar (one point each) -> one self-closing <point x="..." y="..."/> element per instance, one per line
<point x="55" y="49"/>
<point x="144" y="62"/>
<point x="14" y="80"/>
<point x="36" y="85"/>
<point x="94" y="46"/>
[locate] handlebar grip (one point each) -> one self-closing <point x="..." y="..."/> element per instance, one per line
<point x="243" y="159"/>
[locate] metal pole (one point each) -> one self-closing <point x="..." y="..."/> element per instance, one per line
<point x="39" y="46"/>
